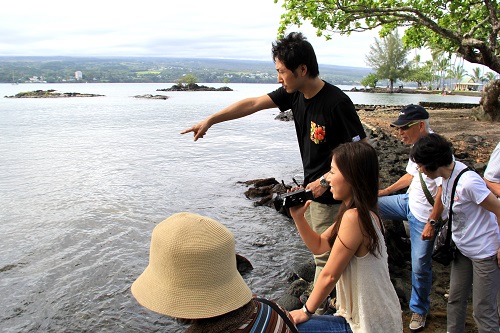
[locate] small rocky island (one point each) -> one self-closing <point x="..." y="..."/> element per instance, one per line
<point x="51" y="93"/>
<point x="193" y="87"/>
<point x="149" y="96"/>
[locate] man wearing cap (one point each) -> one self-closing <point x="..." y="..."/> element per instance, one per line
<point x="414" y="207"/>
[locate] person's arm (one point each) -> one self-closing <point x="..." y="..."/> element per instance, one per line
<point x="401" y="183"/>
<point x="236" y="110"/>
<point x="437" y="210"/>
<point x="494" y="187"/>
<point x="492" y="204"/>
<point x="349" y="240"/>
<point x="316" y="243"/>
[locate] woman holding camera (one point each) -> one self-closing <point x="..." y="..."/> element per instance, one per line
<point x="357" y="266"/>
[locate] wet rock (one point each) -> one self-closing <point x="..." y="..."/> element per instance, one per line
<point x="289" y="302"/>
<point x="149" y="96"/>
<point x="306" y="270"/>
<point x="243" y="264"/>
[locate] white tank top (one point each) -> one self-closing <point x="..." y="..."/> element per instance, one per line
<point x="365" y="295"/>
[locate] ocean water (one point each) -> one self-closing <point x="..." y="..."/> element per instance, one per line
<point x="83" y="182"/>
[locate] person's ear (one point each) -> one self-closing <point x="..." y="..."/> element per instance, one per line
<point x="303" y="70"/>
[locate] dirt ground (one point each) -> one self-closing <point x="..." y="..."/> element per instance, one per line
<point x="472" y="139"/>
<point x="457" y="125"/>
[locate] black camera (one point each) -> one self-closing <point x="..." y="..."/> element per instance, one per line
<point x="292" y="199"/>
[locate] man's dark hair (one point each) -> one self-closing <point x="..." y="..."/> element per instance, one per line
<point x="294" y="50"/>
<point x="432" y="151"/>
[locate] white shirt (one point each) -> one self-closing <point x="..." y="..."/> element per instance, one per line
<point x="419" y="205"/>
<point x="492" y="172"/>
<point x="474" y="229"/>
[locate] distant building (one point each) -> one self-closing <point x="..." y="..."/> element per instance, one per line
<point x="36" y="79"/>
<point x="78" y="75"/>
<point x="468" y="85"/>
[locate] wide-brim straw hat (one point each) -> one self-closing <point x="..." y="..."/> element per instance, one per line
<point x="192" y="270"/>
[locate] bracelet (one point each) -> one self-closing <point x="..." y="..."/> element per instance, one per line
<point x="306" y="311"/>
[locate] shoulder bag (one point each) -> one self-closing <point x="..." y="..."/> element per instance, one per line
<point x="276" y="308"/>
<point x="444" y="247"/>
<point x="430" y="199"/>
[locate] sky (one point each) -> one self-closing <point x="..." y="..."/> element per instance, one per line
<point x="223" y="29"/>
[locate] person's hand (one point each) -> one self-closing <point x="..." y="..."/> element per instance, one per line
<point x="383" y="193"/>
<point x="299" y="316"/>
<point x="316" y="188"/>
<point x="299" y="211"/>
<point x="199" y="130"/>
<point x="428" y="232"/>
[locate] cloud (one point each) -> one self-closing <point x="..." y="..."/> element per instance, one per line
<point x="196" y="28"/>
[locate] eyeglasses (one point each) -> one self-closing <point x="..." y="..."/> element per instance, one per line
<point x="405" y="127"/>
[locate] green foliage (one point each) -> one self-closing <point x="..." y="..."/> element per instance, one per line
<point x="490" y="76"/>
<point x="370" y="80"/>
<point x="188" y="79"/>
<point x="420" y="75"/>
<point x="466" y="27"/>
<point x="388" y="57"/>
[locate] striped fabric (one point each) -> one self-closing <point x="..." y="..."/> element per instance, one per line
<point x="264" y="320"/>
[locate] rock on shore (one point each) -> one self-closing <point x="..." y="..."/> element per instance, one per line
<point x="51" y="93"/>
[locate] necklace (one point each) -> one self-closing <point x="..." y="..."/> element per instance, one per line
<point x="445" y="201"/>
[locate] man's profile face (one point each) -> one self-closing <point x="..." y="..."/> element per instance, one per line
<point x="288" y="79"/>
<point x="411" y="132"/>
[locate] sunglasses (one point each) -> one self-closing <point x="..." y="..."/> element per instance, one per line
<point x="405" y="127"/>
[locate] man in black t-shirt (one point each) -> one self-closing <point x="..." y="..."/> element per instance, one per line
<point x="324" y="117"/>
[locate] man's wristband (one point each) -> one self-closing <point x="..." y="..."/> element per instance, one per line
<point x="323" y="182"/>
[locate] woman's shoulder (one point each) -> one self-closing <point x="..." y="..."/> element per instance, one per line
<point x="351" y="218"/>
<point x="351" y="213"/>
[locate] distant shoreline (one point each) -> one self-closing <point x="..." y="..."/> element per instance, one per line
<point x="416" y="91"/>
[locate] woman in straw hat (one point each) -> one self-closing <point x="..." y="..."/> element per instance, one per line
<point x="357" y="265"/>
<point x="192" y="276"/>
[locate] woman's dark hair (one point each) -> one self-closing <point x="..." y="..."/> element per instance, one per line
<point x="294" y="50"/>
<point x="358" y="164"/>
<point x="432" y="151"/>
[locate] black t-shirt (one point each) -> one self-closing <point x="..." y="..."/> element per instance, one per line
<point x="322" y="123"/>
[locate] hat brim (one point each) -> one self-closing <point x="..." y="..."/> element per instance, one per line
<point x="195" y="302"/>
<point x="401" y="123"/>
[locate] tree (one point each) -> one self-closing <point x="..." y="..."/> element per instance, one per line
<point x="188" y="79"/>
<point x="370" y="81"/>
<point x="469" y="28"/>
<point x="457" y="72"/>
<point x="421" y="74"/>
<point x="388" y="58"/>
<point x="477" y="76"/>
<point x="490" y="76"/>
<point x="442" y="67"/>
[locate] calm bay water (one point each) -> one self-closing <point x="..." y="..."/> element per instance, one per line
<point x="83" y="182"/>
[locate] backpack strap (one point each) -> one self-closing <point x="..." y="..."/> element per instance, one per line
<point x="450" y="213"/>
<point x="280" y="312"/>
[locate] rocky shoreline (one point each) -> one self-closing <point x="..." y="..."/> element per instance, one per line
<point x="470" y="147"/>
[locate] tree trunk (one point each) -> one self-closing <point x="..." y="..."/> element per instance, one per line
<point x="489" y="105"/>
